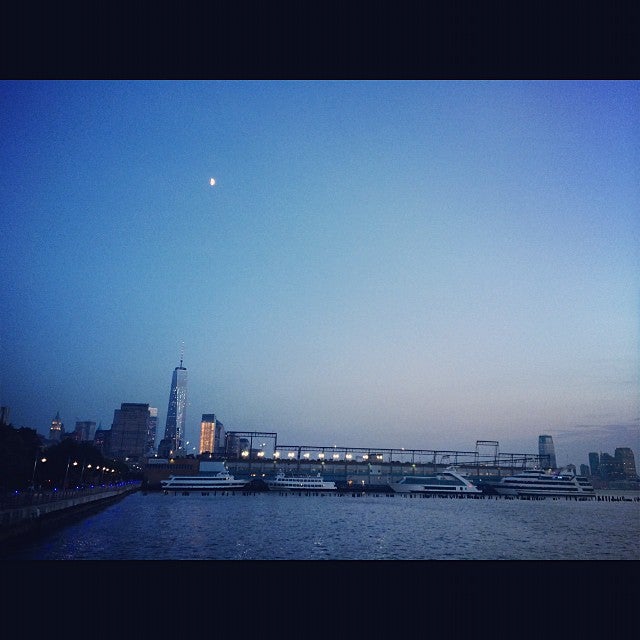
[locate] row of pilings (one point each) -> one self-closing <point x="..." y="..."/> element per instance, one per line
<point x="406" y="496"/>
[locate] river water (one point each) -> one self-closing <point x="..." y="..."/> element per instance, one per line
<point x="274" y="526"/>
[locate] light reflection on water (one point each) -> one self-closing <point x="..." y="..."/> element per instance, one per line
<point x="298" y="527"/>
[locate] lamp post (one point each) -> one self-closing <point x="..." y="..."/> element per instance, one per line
<point x="66" y="473"/>
<point x="33" y="475"/>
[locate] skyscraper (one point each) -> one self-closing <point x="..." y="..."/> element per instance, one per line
<point x="129" y="431"/>
<point x="151" y="431"/>
<point x="211" y="434"/>
<point x="594" y="463"/>
<point x="625" y="462"/>
<point x="177" y="411"/>
<point x="547" y="452"/>
<point x="56" y="431"/>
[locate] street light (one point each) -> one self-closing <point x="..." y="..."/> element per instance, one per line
<point x="33" y="476"/>
<point x="66" y="473"/>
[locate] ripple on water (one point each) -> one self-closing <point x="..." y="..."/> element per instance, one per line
<point x="275" y="527"/>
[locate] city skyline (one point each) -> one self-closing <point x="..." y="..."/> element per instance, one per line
<point x="417" y="264"/>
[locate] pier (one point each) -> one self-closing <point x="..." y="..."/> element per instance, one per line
<point x="31" y="512"/>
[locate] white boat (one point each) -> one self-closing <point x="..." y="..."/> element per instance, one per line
<point x="283" y="482"/>
<point x="536" y="482"/>
<point x="213" y="476"/>
<point x="448" y="481"/>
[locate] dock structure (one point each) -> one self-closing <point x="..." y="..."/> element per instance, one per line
<point x="366" y="466"/>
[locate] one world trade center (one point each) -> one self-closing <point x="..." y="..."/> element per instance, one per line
<point x="177" y="411"/>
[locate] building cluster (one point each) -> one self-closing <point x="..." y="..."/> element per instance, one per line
<point x="619" y="466"/>
<point x="132" y="437"/>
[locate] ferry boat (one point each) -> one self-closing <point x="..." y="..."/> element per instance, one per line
<point x="213" y="476"/>
<point x="536" y="482"/>
<point x="447" y="481"/>
<point x="283" y="482"/>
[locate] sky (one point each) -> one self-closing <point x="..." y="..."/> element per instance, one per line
<point x="416" y="264"/>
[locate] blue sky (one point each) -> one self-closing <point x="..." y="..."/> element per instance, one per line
<point x="393" y="264"/>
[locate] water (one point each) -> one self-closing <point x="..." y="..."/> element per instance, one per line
<point x="269" y="526"/>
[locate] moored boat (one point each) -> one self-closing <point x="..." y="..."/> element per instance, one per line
<point x="213" y="476"/>
<point x="448" y="481"/>
<point x="536" y="482"/>
<point x="283" y="482"/>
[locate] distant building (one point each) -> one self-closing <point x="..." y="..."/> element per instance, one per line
<point x="584" y="470"/>
<point x="607" y="467"/>
<point x="102" y="440"/>
<point x="152" y="427"/>
<point x="594" y="463"/>
<point x="85" y="430"/>
<point x="129" y="431"/>
<point x="56" y="431"/>
<point x="165" y="448"/>
<point x="211" y="434"/>
<point x="547" y="452"/>
<point x="4" y="415"/>
<point x="625" y="463"/>
<point x="176" y="412"/>
<point x="235" y="445"/>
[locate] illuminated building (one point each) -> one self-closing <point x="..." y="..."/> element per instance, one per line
<point x="176" y="413"/>
<point x="152" y="427"/>
<point x="56" y="431"/>
<point x="211" y="434"/>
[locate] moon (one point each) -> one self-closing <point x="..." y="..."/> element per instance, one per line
<point x="212" y="182"/>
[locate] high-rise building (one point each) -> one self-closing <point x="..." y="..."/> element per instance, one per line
<point x="211" y="434"/>
<point x="4" y="415"/>
<point x="85" y="430"/>
<point x="607" y="466"/>
<point x="176" y="412"/>
<point x="625" y="462"/>
<point x="56" y="431"/>
<point x="129" y="431"/>
<point x="547" y="452"/>
<point x="152" y="428"/>
<point x="102" y="439"/>
<point x="594" y="463"/>
<point x="584" y="470"/>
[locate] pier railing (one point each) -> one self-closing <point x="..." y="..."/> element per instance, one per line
<point x="17" y="499"/>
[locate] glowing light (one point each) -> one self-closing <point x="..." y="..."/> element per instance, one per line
<point x="212" y="182"/>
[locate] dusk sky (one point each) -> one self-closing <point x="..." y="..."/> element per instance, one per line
<point x="411" y="264"/>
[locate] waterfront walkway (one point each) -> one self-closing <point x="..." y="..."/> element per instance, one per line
<point x="26" y="512"/>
